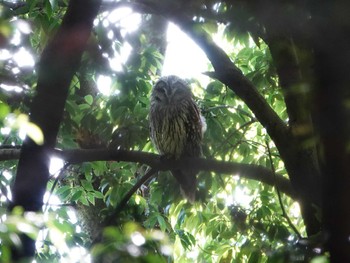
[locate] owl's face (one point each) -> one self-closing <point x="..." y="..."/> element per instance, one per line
<point x="170" y="90"/>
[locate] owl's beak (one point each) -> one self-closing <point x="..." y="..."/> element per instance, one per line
<point x="170" y="97"/>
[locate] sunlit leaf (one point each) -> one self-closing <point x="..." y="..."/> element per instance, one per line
<point x="89" y="99"/>
<point x="35" y="133"/>
<point x="4" y="110"/>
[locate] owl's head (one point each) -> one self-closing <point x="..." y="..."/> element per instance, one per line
<point x="170" y="90"/>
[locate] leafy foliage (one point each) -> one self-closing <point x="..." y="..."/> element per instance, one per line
<point x="235" y="219"/>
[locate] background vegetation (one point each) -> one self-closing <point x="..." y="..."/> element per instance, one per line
<point x="274" y="177"/>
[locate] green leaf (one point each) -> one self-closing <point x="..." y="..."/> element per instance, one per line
<point x="87" y="185"/>
<point x="64" y="191"/>
<point x="91" y="198"/>
<point x="114" y="196"/>
<point x="48" y="9"/>
<point x="98" y="195"/>
<point x="4" y="110"/>
<point x="151" y="221"/>
<point x="77" y="195"/>
<point x="53" y="4"/>
<point x="84" y="106"/>
<point x="89" y="99"/>
<point x="162" y="223"/>
<point x="254" y="257"/>
<point x="84" y="200"/>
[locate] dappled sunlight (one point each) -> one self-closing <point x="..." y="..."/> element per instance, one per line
<point x="51" y="201"/>
<point x="23" y="58"/>
<point x="14" y="88"/>
<point x="5" y="54"/>
<point x="56" y="164"/>
<point x="125" y="19"/>
<point x="104" y="84"/>
<point x="116" y="63"/>
<point x="183" y="56"/>
<point x="242" y="196"/>
<point x="295" y="210"/>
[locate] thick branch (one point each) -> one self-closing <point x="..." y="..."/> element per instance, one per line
<point x="229" y="74"/>
<point x="249" y="171"/>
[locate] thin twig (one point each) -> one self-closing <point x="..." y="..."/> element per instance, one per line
<point x="129" y="194"/>
<point x="284" y="213"/>
<point x="58" y="178"/>
<point x="226" y="141"/>
<point x="3" y="190"/>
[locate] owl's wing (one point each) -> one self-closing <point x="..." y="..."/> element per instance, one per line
<point x="194" y="132"/>
<point x="187" y="177"/>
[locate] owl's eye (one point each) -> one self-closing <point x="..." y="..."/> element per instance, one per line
<point x="178" y="86"/>
<point x="160" y="87"/>
<point x="160" y="90"/>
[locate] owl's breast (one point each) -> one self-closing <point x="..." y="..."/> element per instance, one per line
<point x="169" y="131"/>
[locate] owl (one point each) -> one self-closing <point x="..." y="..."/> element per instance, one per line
<point x="177" y="127"/>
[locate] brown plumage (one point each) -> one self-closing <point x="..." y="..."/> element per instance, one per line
<point x="177" y="127"/>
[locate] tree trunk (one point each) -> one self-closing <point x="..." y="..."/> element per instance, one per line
<point x="332" y="59"/>
<point x="59" y="62"/>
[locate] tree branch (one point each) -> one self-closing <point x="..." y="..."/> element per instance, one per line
<point x="249" y="171"/>
<point x="149" y="174"/>
<point x="284" y="213"/>
<point x="227" y="72"/>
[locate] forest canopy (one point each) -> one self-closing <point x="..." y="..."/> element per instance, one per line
<point x="80" y="179"/>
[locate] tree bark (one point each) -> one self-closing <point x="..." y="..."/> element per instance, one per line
<point x="249" y="171"/>
<point x="332" y="59"/>
<point x="58" y="63"/>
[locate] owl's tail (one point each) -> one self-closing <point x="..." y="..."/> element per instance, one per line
<point x="188" y="183"/>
